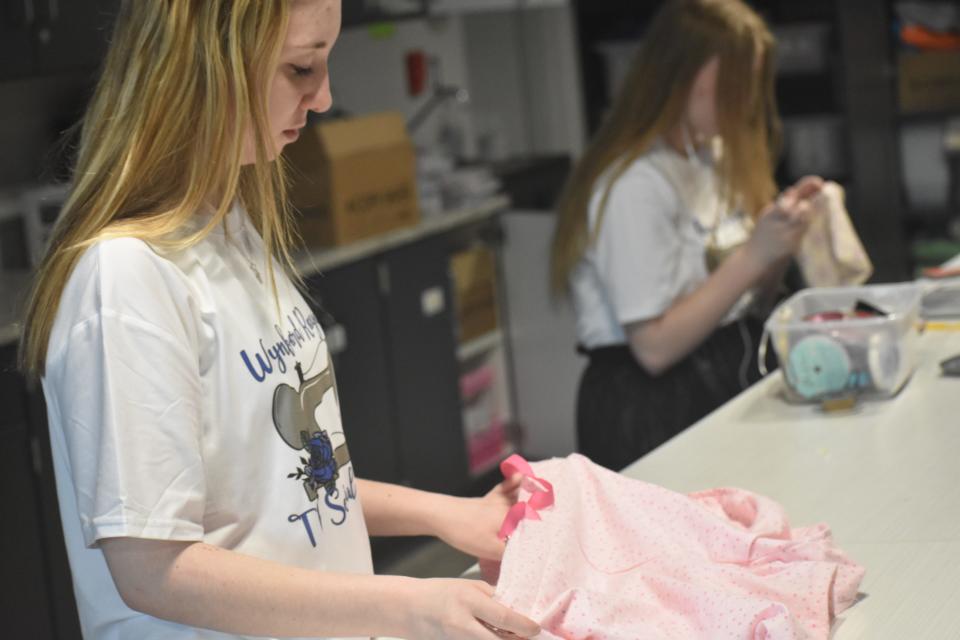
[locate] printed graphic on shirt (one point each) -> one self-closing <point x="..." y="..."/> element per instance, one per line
<point x="294" y="416"/>
<point x="324" y="470"/>
<point x="303" y="329"/>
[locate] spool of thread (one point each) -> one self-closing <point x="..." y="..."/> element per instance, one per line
<point x="883" y="361"/>
<point x="818" y="366"/>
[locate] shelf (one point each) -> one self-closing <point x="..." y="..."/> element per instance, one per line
<point x="927" y="116"/>
<point x="937" y="214"/>
<point x="480" y="345"/>
<point x="363" y="14"/>
<point x="928" y="224"/>
<point x="508" y="451"/>
<point x="440" y="7"/>
<point x="931" y="252"/>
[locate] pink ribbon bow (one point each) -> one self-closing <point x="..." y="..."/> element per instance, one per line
<point x="541" y="495"/>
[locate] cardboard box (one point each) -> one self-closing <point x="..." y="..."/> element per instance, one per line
<point x="929" y="81"/>
<point x="354" y="178"/>
<point x="475" y="291"/>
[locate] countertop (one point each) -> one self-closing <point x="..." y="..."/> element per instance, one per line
<point x="313" y="261"/>
<point x="884" y="477"/>
<point x="14" y="285"/>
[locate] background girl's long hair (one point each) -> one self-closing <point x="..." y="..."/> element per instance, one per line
<point x="681" y="39"/>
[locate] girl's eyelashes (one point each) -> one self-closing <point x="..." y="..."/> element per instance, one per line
<point x="301" y="71"/>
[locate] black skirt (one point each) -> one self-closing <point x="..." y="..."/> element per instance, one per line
<point x="623" y="412"/>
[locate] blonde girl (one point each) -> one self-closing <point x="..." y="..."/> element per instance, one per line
<point x="668" y="232"/>
<point x="204" y="479"/>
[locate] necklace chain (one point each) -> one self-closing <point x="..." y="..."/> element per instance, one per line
<point x="245" y="251"/>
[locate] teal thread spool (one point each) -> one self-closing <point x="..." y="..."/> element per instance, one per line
<point x="818" y="366"/>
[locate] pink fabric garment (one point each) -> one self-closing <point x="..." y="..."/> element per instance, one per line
<point x="620" y="559"/>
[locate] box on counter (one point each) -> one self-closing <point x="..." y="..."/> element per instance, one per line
<point x="929" y="81"/>
<point x="828" y="349"/>
<point x="353" y="178"/>
<point x="475" y="290"/>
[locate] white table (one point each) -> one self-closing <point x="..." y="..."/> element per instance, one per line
<point x="886" y="478"/>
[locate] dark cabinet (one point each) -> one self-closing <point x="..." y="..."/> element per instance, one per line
<point x="43" y="37"/>
<point x="17" y="20"/>
<point x="73" y="34"/>
<point x="24" y="599"/>
<point x="389" y="325"/>
<point x="62" y="609"/>
<point x="12" y="406"/>
<point x="36" y="592"/>
<point x="348" y="304"/>
<point x="423" y="360"/>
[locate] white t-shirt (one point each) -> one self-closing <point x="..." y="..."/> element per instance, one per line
<point x="651" y="244"/>
<point x="177" y="412"/>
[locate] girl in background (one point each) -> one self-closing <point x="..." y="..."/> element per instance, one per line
<point x="207" y="492"/>
<point x="671" y="235"/>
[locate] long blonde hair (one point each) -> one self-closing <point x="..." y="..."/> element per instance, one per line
<point x="681" y="39"/>
<point x="162" y="139"/>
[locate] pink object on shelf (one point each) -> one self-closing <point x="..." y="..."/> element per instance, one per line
<point x="486" y="447"/>
<point x="476" y="381"/>
<point x="619" y="559"/>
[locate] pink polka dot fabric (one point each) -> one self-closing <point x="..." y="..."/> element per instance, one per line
<point x="619" y="559"/>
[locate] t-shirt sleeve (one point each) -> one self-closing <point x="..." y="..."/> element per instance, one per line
<point x="128" y="389"/>
<point x="638" y="245"/>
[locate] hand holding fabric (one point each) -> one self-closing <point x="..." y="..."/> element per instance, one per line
<point x="781" y="226"/>
<point x="832" y="254"/>
<point x="471" y="524"/>
<point x="445" y="609"/>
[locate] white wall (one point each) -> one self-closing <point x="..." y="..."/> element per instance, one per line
<point x="368" y="72"/>
<point x="542" y="337"/>
<point x="498" y="80"/>
<point x="520" y="66"/>
<point x="554" y="91"/>
<point x="524" y="70"/>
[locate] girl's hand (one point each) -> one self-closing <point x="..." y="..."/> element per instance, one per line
<point x="781" y="226"/>
<point x="452" y="609"/>
<point x="806" y="188"/>
<point x="471" y="524"/>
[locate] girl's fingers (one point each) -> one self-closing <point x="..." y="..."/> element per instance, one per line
<point x="508" y="487"/>
<point x="504" y="619"/>
<point x="787" y="199"/>
<point x="488" y="631"/>
<point x="511" y="484"/>
<point x="782" y="214"/>
<point x="808" y="187"/>
<point x="500" y="633"/>
<point x="803" y="213"/>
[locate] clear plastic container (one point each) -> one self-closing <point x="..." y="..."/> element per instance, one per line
<point x="870" y="357"/>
